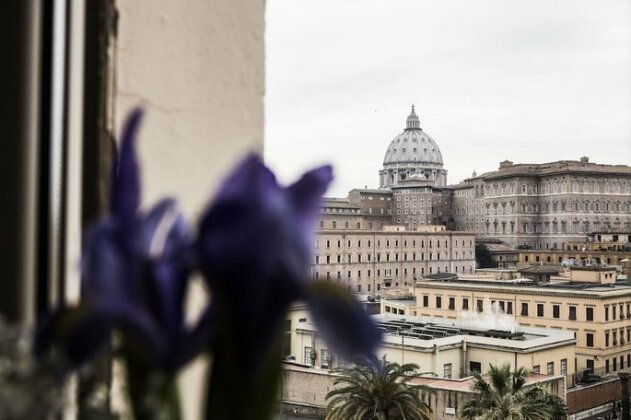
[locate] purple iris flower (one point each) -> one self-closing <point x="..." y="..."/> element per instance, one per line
<point x="255" y="248"/>
<point x="135" y="272"/>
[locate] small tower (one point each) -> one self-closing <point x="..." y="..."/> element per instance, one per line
<point x="412" y="123"/>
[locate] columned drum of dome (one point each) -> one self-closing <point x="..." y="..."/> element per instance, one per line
<point x="412" y="155"/>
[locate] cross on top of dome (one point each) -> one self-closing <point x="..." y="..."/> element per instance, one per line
<point x="413" y="122"/>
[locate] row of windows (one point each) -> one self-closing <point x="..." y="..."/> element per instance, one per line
<point x="346" y="225"/>
<point x="413" y="212"/>
<point x="507" y="307"/>
<point x="548" y="188"/>
<point x="539" y="208"/>
<point x="556" y="311"/>
<point x="613" y="334"/>
<point x="611" y="365"/>
<point x="550" y="368"/>
<point x="413" y="198"/>
<point x="576" y="227"/>
<point x="624" y="312"/>
<point x="394" y="310"/>
<point x="325" y="358"/>
<point x="339" y="210"/>
<point x="504" y="306"/>
<point x="389" y="272"/>
<point x="370" y="197"/>
<point x="339" y="258"/>
<point x="431" y="242"/>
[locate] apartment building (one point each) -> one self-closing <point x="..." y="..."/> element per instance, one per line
<point x="591" y="304"/>
<point x="366" y="261"/>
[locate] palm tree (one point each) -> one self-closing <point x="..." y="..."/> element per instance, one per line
<point x="377" y="390"/>
<point x="503" y="396"/>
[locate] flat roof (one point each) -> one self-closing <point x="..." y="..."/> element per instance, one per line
<point x="426" y="333"/>
<point x="372" y="190"/>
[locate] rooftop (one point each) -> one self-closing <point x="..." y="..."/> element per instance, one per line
<point x="592" y="268"/>
<point x="384" y="191"/>
<point x="500" y="331"/>
<point x="337" y="203"/>
<point x="541" y="269"/>
<point x="582" y="166"/>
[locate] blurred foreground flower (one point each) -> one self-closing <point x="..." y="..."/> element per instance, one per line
<point x="255" y="245"/>
<point x="253" y="248"/>
<point x="135" y="271"/>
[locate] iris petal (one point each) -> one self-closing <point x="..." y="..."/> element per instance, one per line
<point x="251" y="181"/>
<point x="105" y="268"/>
<point x="125" y="197"/>
<point x="306" y="193"/>
<point x="163" y="231"/>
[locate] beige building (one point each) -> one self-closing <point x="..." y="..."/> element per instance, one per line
<point x="368" y="260"/>
<point x="590" y="305"/>
<point x="544" y="206"/>
<point x="449" y="348"/>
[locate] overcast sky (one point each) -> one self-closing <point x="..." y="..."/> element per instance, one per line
<point x="528" y="81"/>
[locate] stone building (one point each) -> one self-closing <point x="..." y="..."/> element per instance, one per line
<point x="545" y="206"/>
<point x="367" y="260"/>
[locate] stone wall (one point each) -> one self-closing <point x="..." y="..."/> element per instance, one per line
<point x="585" y="398"/>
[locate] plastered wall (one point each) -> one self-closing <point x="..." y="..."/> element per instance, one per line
<point x="198" y="68"/>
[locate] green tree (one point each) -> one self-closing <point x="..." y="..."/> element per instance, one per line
<point x="483" y="257"/>
<point x="377" y="390"/>
<point x="503" y="396"/>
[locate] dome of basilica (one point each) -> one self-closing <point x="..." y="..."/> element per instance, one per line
<point x="413" y="145"/>
<point x="412" y="156"/>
